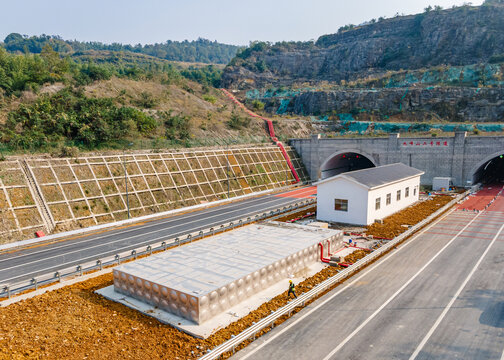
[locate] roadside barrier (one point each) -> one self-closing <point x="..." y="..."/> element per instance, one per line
<point x="94" y="263"/>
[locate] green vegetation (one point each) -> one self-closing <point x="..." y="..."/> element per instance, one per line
<point x="236" y="122"/>
<point x="177" y="126"/>
<point x="201" y="50"/>
<point x="258" y="105"/>
<point x="29" y="72"/>
<point x="69" y="117"/>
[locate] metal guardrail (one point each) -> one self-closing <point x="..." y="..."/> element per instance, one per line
<point x="8" y="290"/>
<point x="269" y="321"/>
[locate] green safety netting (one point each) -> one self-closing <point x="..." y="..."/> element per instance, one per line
<point x="361" y="127"/>
<point x="282" y="109"/>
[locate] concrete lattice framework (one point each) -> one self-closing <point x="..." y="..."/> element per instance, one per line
<point x="457" y="157"/>
<point x="19" y="213"/>
<point x="203" y="279"/>
<point x="85" y="191"/>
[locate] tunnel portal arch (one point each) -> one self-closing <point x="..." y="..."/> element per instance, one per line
<point x="490" y="170"/>
<point x="344" y="161"/>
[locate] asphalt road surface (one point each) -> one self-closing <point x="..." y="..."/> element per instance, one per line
<point x="440" y="295"/>
<point x="25" y="264"/>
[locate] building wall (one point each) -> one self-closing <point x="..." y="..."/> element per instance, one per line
<point x="356" y="195"/>
<point x="457" y="157"/>
<point x="386" y="210"/>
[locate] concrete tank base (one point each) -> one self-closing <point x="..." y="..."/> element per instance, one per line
<point x="218" y="322"/>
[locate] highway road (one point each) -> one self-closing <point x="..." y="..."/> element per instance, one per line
<point x="25" y="264"/>
<point x="440" y="295"/>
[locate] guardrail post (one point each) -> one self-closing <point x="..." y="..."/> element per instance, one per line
<point x="134" y="254"/>
<point x="189" y="237"/>
<point x="163" y="244"/>
<point x="177" y="241"/>
<point x="200" y="234"/>
<point x="34" y="282"/>
<point x="99" y="263"/>
<point x="57" y="275"/>
<point x="212" y="230"/>
<point x="118" y="258"/>
<point x="7" y="290"/>
<point x="231" y="225"/>
<point x="149" y="249"/>
<point x="79" y="269"/>
<point x="240" y="222"/>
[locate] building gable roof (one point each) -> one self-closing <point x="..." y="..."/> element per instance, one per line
<point x="377" y="176"/>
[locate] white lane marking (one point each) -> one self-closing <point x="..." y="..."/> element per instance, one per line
<point x="372" y="268"/>
<point x="111" y="242"/>
<point x="450" y="304"/>
<point x="64" y="245"/>
<point x="372" y="316"/>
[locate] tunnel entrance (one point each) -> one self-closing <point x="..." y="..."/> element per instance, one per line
<point x="348" y="161"/>
<point x="490" y="172"/>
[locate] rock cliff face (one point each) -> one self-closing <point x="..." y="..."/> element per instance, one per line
<point x="460" y="36"/>
<point x="442" y="103"/>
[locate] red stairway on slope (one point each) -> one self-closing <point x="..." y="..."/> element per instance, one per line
<point x="271" y="131"/>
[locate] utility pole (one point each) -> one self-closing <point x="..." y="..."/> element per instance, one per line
<point x="228" y="167"/>
<point x="126" y="178"/>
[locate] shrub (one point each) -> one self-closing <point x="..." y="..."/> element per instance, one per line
<point x="177" y="126"/>
<point x="146" y="101"/>
<point x="66" y="151"/>
<point x="236" y="121"/>
<point x="258" y="105"/>
<point x="211" y="99"/>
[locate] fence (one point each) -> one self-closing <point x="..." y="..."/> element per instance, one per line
<point x="269" y="321"/>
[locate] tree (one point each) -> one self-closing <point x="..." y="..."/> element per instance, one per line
<point x="13" y="37"/>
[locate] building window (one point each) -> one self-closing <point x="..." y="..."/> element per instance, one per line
<point x="377" y="204"/>
<point x="389" y="198"/>
<point x="414" y="191"/>
<point x="406" y="192"/>
<point x="340" y="205"/>
<point x="398" y="197"/>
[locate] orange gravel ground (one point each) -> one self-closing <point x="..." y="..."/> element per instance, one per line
<point x="76" y="323"/>
<point x="392" y="225"/>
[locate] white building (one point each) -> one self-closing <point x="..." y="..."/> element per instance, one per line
<point x="363" y="196"/>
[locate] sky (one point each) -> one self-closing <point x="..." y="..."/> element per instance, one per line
<point x="231" y="22"/>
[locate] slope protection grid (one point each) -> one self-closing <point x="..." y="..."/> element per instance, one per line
<point x="55" y="195"/>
